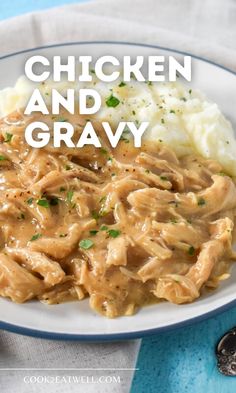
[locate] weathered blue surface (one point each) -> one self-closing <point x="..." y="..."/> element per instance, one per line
<point x="184" y="361"/>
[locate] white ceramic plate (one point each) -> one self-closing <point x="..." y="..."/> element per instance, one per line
<point x="75" y="320"/>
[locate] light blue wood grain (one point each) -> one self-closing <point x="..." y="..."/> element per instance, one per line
<point x="184" y="361"/>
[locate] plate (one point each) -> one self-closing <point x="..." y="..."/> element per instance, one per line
<point x="76" y="320"/>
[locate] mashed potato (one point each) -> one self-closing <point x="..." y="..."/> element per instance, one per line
<point x="181" y="118"/>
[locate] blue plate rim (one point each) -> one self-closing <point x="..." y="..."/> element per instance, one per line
<point x="114" y="336"/>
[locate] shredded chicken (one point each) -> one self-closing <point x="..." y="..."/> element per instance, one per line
<point x="125" y="227"/>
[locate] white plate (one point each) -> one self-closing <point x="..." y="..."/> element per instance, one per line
<point x="76" y="320"/>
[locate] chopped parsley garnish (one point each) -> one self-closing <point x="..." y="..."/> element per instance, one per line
<point x="103" y="198"/>
<point x="124" y="139"/>
<point x="147" y="171"/>
<point x="113" y="233"/>
<point x="112" y="101"/>
<point x="62" y="189"/>
<point x="63" y="235"/>
<point x="67" y="167"/>
<point x="62" y="119"/>
<point x="172" y="111"/>
<point x="164" y="178"/>
<point x="163" y="121"/>
<point x="183" y="99"/>
<point x="43" y="202"/>
<point x="173" y="221"/>
<point x="35" y="237"/>
<point x="86" y="244"/>
<point x="122" y="84"/>
<point x="201" y="202"/>
<point x="93" y="232"/>
<point x="30" y="201"/>
<point x="69" y="196"/>
<point x="104" y="228"/>
<point x="3" y="158"/>
<point x="103" y="151"/>
<point x="95" y="215"/>
<point x="133" y="112"/>
<point x="8" y="137"/>
<point x="191" y="251"/>
<point x="54" y="201"/>
<point x="190" y="91"/>
<point x="222" y="174"/>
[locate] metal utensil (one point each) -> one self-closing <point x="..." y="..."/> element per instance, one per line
<point x="226" y="353"/>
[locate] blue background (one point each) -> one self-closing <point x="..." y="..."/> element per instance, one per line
<point x="10" y="8"/>
<point x="182" y="361"/>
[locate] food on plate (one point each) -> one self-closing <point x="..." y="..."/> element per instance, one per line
<point x="127" y="226"/>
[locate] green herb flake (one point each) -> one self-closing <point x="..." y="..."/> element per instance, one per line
<point x="103" y="228"/>
<point x="103" y="151"/>
<point x="147" y="171"/>
<point x="3" y="158"/>
<point x="54" y="201"/>
<point x="43" y="203"/>
<point x="95" y="215"/>
<point x="93" y="232"/>
<point x="62" y="189"/>
<point x="8" y="137"/>
<point x="103" y="198"/>
<point x="183" y="99"/>
<point x="164" y="178"/>
<point x="172" y="111"/>
<point x="173" y="221"/>
<point x="190" y="91"/>
<point x="112" y="101"/>
<point x="67" y="167"/>
<point x="113" y="233"/>
<point x="86" y="244"/>
<point x="63" y="235"/>
<point x="163" y="121"/>
<point x="35" y="237"/>
<point x="191" y="251"/>
<point x="69" y="196"/>
<point x="201" y="202"/>
<point x="134" y="113"/>
<point x="122" y="84"/>
<point x="30" y="201"/>
<point x="61" y="119"/>
<point x="124" y="139"/>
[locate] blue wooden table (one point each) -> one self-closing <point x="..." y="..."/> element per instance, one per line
<point x="182" y="361"/>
